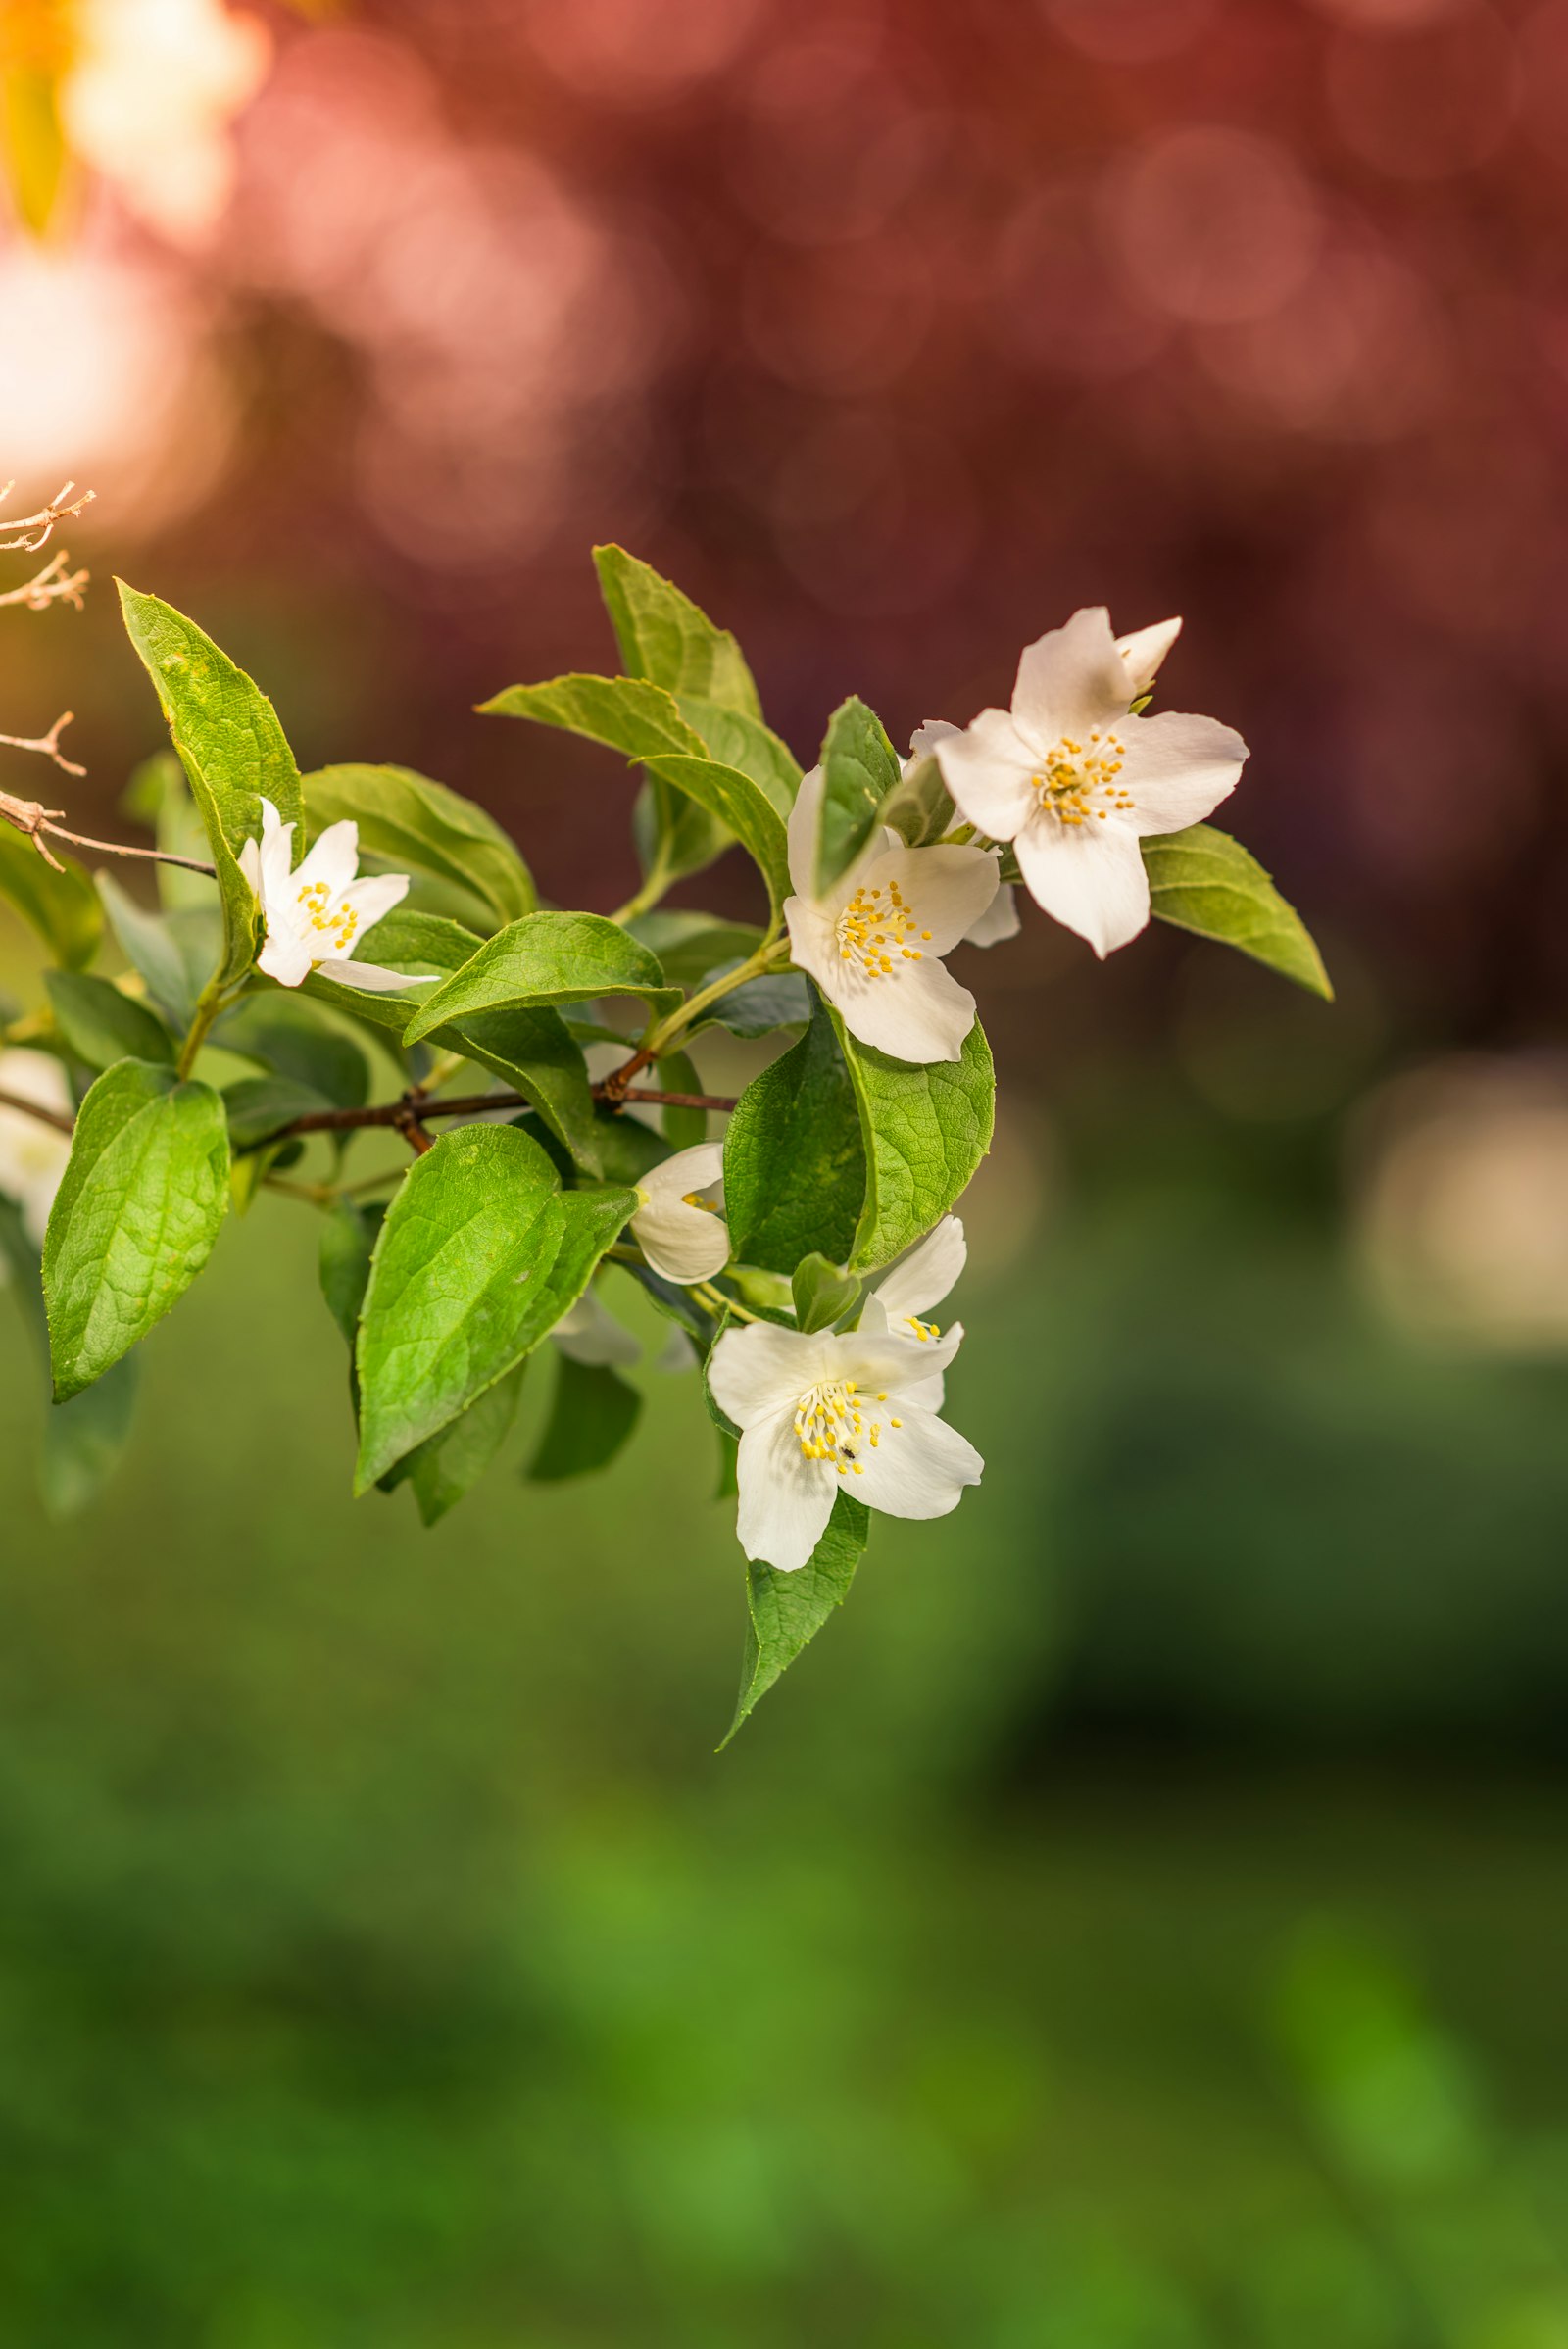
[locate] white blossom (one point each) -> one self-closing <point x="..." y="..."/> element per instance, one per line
<point x="681" y="1236"/>
<point x="33" y="1154"/>
<point x="907" y="1292"/>
<point x="1074" y="780"/>
<point x="314" y="912"/>
<point x="999" y="920"/>
<point x="875" y="941"/>
<point x="823" y="1412"/>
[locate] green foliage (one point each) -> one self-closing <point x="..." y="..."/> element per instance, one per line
<point x="739" y="741"/>
<point x="137" y="1212"/>
<point x="743" y="806"/>
<point x="413" y="825"/>
<point x="479" y="1256"/>
<point x="547" y="959"/>
<point x="624" y="714"/>
<point x="859" y="768"/>
<point x="60" y="905"/>
<point x="592" y="1419"/>
<point x="83" y="1439"/>
<point x="293" y="1040"/>
<point x="920" y="808"/>
<point x="171" y="953"/>
<point x="690" y="946"/>
<point x="925" y="1130"/>
<point x="665" y="638"/>
<point x="784" y="1612"/>
<point x="823" y="1292"/>
<point x="449" y="1464"/>
<point x="1203" y="880"/>
<point x="233" y="749"/>
<point x="793" y="1157"/>
<point x="99" y="1025"/>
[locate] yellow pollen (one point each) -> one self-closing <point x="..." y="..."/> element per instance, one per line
<point x="829" y="1424"/>
<point x="1072" y="779"/>
<point x="871" y="932"/>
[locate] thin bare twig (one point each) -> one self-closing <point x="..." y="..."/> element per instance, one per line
<point x="54" y="584"/>
<point x="48" y="1117"/>
<point x="33" y="529"/>
<point x="31" y="818"/>
<point x="415" y="1106"/>
<point x="49" y="745"/>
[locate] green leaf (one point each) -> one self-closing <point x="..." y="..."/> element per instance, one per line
<point x="99" y="1025"/>
<point x="673" y="834"/>
<point x="61" y="907"/>
<point x="450" y="1464"/>
<point x="859" y="768"/>
<point x="691" y="944"/>
<point x="780" y="998"/>
<point x="458" y="1287"/>
<point x="145" y="1190"/>
<point x="173" y="952"/>
<point x="638" y="719"/>
<point x="348" y="1241"/>
<point x="823" y="1292"/>
<point x="159" y="797"/>
<point x="1203" y="880"/>
<point x="741" y="804"/>
<point x="591" y="1419"/>
<point x="233" y="749"/>
<point x="664" y="637"/>
<point x="413" y="825"/>
<point x="920" y="808"/>
<point x="83" y="1439"/>
<point x="543" y="959"/>
<point x="925" y="1129"/>
<point x="291" y="1039"/>
<point x="533" y="1052"/>
<point x="785" y="1611"/>
<point x="794" y="1160"/>
<point x="736" y="740"/>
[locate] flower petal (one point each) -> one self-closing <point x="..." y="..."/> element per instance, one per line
<point x="999" y="920"/>
<point x="692" y="1169"/>
<point x="990" y="770"/>
<point x="785" y="1498"/>
<point x="923" y="741"/>
<point x="1089" y="877"/>
<point x="813" y="941"/>
<point x="1144" y="651"/>
<point x="1178" y="768"/>
<point x="1070" y="679"/>
<point x="284" y="956"/>
<point x="684" y="1243"/>
<point x="924" y="1277"/>
<point x="373" y="896"/>
<point x="893" y="1363"/>
<point x="333" y="859"/>
<point x="918" y="1011"/>
<point x="369" y="975"/>
<point x="805" y="818"/>
<point x="917" y="1469"/>
<point x="753" y="1372"/>
<point x="945" y="889"/>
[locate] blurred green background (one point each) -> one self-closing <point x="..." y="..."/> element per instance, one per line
<point x="1141" y="1920"/>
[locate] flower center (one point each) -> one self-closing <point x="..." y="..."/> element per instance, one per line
<point x="339" y="924"/>
<point x="1076" y="775"/>
<point x="877" y="925"/>
<point x="832" y="1425"/>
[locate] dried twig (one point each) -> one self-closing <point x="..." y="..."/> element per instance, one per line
<point x="54" y="584"/>
<point x="33" y="529"/>
<point x="34" y="819"/>
<point x="49" y="745"/>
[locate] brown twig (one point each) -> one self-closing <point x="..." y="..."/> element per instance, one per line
<point x="416" y="1107"/>
<point x="33" y="529"/>
<point x="54" y="584"/>
<point x="47" y="1117"/>
<point x="34" y="819"/>
<point x="49" y="746"/>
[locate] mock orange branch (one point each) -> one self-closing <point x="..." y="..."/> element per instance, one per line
<point x="33" y="529"/>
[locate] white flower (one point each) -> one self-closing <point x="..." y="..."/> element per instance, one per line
<point x="682" y="1238"/>
<point x="315" y="913"/>
<point x="999" y="920"/>
<point x="1074" y="781"/>
<point x="914" y="1284"/>
<point x="874" y="942"/>
<point x="590" y="1334"/>
<point x="33" y="1155"/>
<point x="823" y="1413"/>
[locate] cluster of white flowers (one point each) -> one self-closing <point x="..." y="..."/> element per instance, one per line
<point x="1072" y="779"/>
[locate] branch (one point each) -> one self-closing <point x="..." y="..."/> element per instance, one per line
<point x="33" y="529"/>
<point x="54" y="584"/>
<point x="31" y="818"/>
<point x="48" y="1117"/>
<point x="415" y="1106"/>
